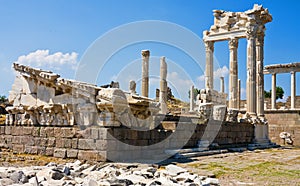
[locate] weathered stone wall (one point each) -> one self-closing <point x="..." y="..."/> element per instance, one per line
<point x="100" y="144"/>
<point x="284" y="121"/>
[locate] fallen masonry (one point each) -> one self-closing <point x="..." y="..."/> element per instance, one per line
<point x="78" y="173"/>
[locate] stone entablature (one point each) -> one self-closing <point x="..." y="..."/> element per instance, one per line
<point x="40" y="97"/>
<point x="282" y="68"/>
<point x="229" y="25"/>
<point x="291" y="68"/>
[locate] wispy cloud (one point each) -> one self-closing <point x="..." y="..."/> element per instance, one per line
<point x="43" y="58"/>
<point x="220" y="72"/>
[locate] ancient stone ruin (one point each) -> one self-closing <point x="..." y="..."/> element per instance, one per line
<point x="40" y="97"/>
<point x="53" y="116"/>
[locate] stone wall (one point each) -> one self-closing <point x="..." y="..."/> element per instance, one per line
<point x="121" y="144"/>
<point x="284" y="121"/>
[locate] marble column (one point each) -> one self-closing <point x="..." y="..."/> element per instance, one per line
<point x="192" y="98"/>
<point x="239" y="94"/>
<point x="293" y="89"/>
<point x="222" y="84"/>
<point x="145" y="72"/>
<point x="273" y="99"/>
<point x="251" y="73"/>
<point x="260" y="74"/>
<point x="209" y="68"/>
<point x="163" y="86"/>
<point x="233" y="75"/>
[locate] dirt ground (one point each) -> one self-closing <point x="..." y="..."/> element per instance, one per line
<point x="279" y="166"/>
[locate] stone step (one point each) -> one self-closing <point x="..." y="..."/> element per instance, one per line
<point x="174" y="151"/>
<point x="262" y="146"/>
<point x="203" y="153"/>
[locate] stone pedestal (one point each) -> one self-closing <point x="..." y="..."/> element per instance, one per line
<point x="145" y="72"/>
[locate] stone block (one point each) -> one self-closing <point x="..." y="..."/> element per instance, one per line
<point x="75" y="143"/>
<point x="72" y="153"/>
<point x="27" y="140"/>
<point x="8" y="130"/>
<point x="68" y="132"/>
<point x="86" y="144"/>
<point x="92" y="155"/>
<point x="41" y="150"/>
<point x="18" y="148"/>
<point x="37" y="141"/>
<point x="16" y="140"/>
<point x="2" y="129"/>
<point x="44" y="94"/>
<point x="31" y="149"/>
<point x="60" y="153"/>
<point x="51" y="142"/>
<point x="63" y="143"/>
<point x="28" y="100"/>
<point x="104" y="133"/>
<point x="94" y="133"/>
<point x="17" y="131"/>
<point x="27" y="130"/>
<point x="36" y="131"/>
<point x="47" y="132"/>
<point x="49" y="151"/>
<point x="101" y="144"/>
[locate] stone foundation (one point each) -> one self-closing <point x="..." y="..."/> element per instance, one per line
<point x="284" y="121"/>
<point x="119" y="144"/>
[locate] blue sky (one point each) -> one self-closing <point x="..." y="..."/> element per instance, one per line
<point x="61" y="32"/>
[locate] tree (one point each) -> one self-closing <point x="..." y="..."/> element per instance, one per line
<point x="3" y="99"/>
<point x="279" y="93"/>
<point x="196" y="92"/>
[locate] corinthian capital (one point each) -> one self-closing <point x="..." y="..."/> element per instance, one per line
<point x="145" y="53"/>
<point x="233" y="43"/>
<point x="251" y="31"/>
<point x="209" y="45"/>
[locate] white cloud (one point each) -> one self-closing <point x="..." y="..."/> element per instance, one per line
<point x="180" y="84"/>
<point x="220" y="72"/>
<point x="42" y="58"/>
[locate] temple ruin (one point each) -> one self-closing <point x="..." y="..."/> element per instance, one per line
<point x="81" y="120"/>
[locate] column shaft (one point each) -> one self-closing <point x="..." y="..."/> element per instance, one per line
<point x="192" y="98"/>
<point x="233" y="75"/>
<point x="209" y="68"/>
<point x="260" y="74"/>
<point x="293" y="89"/>
<point x="145" y="72"/>
<point x="239" y="94"/>
<point x="251" y="75"/>
<point x="273" y="91"/>
<point x="222" y="84"/>
<point x="163" y="86"/>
